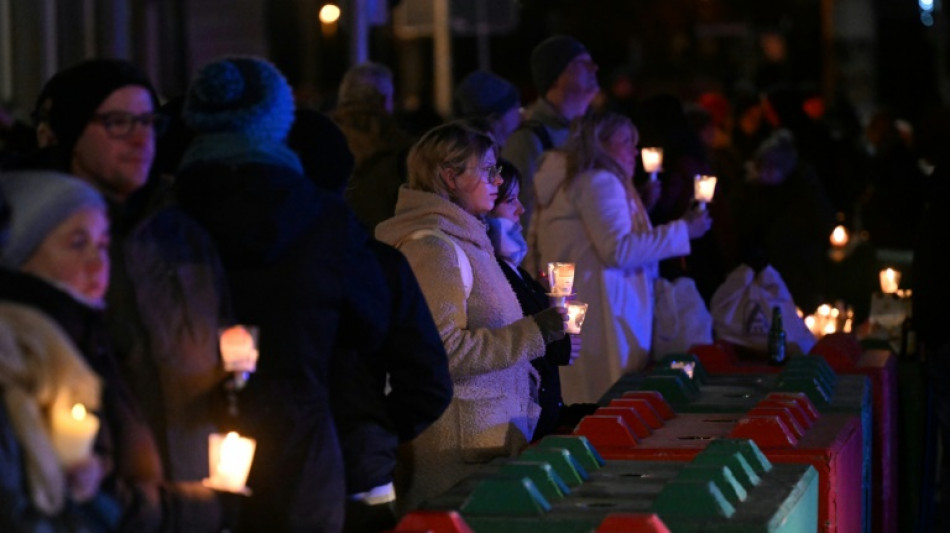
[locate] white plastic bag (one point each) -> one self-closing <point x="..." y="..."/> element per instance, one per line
<point x="742" y="310"/>
<point x="680" y="317"/>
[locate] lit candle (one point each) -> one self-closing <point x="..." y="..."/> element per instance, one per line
<point x="890" y="279"/>
<point x="652" y="158"/>
<point x="229" y="461"/>
<point x="839" y="237"/>
<point x="561" y="278"/>
<point x="238" y="346"/>
<point x="686" y="366"/>
<point x="812" y="325"/>
<point x="576" y="311"/>
<point x="73" y="430"/>
<point x="703" y="189"/>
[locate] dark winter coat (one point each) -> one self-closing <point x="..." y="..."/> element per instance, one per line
<point x="533" y="299"/>
<point x="297" y="267"/>
<point x="372" y="423"/>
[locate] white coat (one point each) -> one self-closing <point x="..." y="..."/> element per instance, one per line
<point x="599" y="223"/>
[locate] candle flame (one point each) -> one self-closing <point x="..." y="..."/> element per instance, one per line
<point x="839" y="237"/>
<point x="78" y="411"/>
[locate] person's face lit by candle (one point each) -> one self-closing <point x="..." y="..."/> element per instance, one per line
<point x="76" y="254"/>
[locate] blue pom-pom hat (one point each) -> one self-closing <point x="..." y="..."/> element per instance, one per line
<point x="245" y="95"/>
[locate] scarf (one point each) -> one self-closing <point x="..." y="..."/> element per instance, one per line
<point x="239" y="149"/>
<point x="40" y="367"/>
<point x="507" y="240"/>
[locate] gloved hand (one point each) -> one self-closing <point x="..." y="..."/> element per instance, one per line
<point x="551" y="322"/>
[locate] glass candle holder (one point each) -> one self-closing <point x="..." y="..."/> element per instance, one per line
<point x="576" y="312"/>
<point x="229" y="462"/>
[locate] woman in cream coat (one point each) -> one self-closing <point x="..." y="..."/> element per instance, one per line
<point x="453" y="184"/>
<point x="590" y="214"/>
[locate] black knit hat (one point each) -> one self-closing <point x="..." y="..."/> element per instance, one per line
<point x="70" y="98"/>
<point x="551" y="57"/>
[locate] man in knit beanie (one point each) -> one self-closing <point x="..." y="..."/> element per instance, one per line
<point x="565" y="77"/>
<point x="97" y="121"/>
<point x="298" y="269"/>
<point x="486" y="96"/>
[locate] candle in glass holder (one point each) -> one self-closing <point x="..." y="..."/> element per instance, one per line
<point x="576" y="311"/>
<point x="704" y="187"/>
<point x="890" y="279"/>
<point x="561" y="278"/>
<point x="229" y="462"/>
<point x="839" y="237"/>
<point x="652" y="158"/>
<point x="73" y="430"/>
<point x="238" y="345"/>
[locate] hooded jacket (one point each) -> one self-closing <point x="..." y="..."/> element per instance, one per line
<point x="489" y="343"/>
<point x="599" y="224"/>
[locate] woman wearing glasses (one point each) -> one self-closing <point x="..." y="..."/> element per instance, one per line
<point x="440" y="226"/>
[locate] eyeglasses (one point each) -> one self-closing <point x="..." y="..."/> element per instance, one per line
<point x="490" y="173"/>
<point x="119" y="124"/>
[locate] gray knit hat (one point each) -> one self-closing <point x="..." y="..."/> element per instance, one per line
<point x="482" y="93"/>
<point x="40" y="200"/>
<point x="551" y="57"/>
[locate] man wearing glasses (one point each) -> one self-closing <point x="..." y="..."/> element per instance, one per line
<point x="99" y="121"/>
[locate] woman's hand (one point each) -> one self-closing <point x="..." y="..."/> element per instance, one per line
<point x="551" y="322"/>
<point x="697" y="222"/>
<point x="575" y="348"/>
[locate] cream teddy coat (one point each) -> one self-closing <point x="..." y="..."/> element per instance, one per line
<point x="489" y="344"/>
<point x="600" y="224"/>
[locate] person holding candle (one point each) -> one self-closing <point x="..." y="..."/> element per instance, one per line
<point x="504" y="230"/>
<point x="453" y="185"/>
<point x="298" y="268"/>
<point x="100" y="121"/>
<point x="589" y="213"/>
<point x="55" y="262"/>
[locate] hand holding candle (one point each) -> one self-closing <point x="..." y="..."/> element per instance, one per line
<point x="229" y="461"/>
<point x="73" y="430"/>
<point x="576" y="312"/>
<point x="704" y="187"/>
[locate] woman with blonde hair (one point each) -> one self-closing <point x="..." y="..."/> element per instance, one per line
<point x="590" y="214"/>
<point x="440" y="226"/>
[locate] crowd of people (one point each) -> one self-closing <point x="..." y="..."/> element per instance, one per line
<point x="406" y="333"/>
